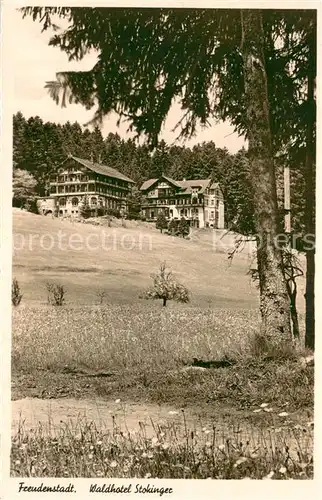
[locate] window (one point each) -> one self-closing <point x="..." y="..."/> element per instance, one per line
<point x="62" y="202"/>
<point x="212" y="201"/>
<point x="217" y="203"/>
<point x="75" y="202"/>
<point x="212" y="213"/>
<point x="94" y="201"/>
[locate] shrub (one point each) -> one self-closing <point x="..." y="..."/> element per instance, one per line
<point x="16" y="294"/>
<point x="100" y="212"/>
<point x="173" y="226"/>
<point x="114" y="212"/>
<point x="101" y="295"/>
<point x="56" y="294"/>
<point x="166" y="287"/>
<point x="31" y="206"/>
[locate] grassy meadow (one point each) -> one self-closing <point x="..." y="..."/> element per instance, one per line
<point x="144" y="353"/>
<point x="121" y="260"/>
<point x="134" y="350"/>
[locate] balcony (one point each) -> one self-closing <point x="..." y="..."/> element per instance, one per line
<point x="178" y="206"/>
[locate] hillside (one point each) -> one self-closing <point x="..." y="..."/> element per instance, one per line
<point x="87" y="259"/>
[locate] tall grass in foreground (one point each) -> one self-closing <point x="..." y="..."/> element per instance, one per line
<point x="82" y="450"/>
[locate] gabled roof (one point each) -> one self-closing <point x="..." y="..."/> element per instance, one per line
<point x="101" y="169"/>
<point x="185" y="186"/>
<point x="172" y="181"/>
<point x="147" y="184"/>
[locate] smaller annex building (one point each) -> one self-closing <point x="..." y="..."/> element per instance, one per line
<point x="199" y="201"/>
<point x="79" y="181"/>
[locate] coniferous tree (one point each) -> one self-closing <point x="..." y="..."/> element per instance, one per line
<point x="161" y="222"/>
<point x="183" y="227"/>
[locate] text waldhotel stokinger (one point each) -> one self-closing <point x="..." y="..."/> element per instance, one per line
<point x="95" y="488"/>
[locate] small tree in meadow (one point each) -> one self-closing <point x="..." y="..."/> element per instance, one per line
<point x="161" y="222"/>
<point x="183" y="227"/>
<point x="165" y="287"/>
<point x="16" y="295"/>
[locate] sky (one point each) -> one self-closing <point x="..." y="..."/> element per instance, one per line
<point x="34" y="63"/>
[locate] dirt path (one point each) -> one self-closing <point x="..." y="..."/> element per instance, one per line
<point x="127" y="415"/>
<point x="54" y="413"/>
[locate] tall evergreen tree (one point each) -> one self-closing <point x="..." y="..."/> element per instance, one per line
<point x="229" y="48"/>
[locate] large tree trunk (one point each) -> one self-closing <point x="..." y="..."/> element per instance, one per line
<point x="310" y="200"/>
<point x="274" y="300"/>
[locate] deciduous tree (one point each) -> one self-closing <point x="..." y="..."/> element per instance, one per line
<point x="165" y="287"/>
<point x="23" y="187"/>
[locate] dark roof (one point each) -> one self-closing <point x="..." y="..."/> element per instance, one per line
<point x="102" y="169"/>
<point x="185" y="186"/>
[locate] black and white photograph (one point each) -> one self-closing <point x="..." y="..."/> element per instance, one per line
<point x="163" y="245"/>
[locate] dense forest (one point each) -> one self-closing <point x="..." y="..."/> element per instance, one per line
<point x="40" y="147"/>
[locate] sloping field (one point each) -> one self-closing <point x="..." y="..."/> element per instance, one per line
<point x="87" y="259"/>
